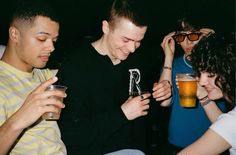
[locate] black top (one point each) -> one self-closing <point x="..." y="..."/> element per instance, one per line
<point x="93" y="122"/>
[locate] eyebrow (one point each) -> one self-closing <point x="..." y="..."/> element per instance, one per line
<point x="48" y="34"/>
<point x="43" y="33"/>
<point x="132" y="39"/>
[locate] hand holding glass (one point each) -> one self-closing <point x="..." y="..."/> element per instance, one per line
<point x="51" y="115"/>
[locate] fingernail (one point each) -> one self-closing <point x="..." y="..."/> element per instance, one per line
<point x="55" y="78"/>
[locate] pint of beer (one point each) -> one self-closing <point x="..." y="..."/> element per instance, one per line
<point x="187" y="89"/>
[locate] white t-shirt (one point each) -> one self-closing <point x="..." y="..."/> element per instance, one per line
<point x="225" y="126"/>
<point x="2" y="49"/>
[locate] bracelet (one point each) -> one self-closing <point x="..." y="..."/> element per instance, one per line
<point x="205" y="102"/>
<point x="166" y="67"/>
<point x="204" y="98"/>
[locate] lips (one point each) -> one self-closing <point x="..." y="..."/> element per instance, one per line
<point x="189" y="49"/>
<point x="125" y="53"/>
<point x="44" y="58"/>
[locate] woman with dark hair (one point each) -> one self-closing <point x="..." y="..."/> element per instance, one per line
<point x="214" y="61"/>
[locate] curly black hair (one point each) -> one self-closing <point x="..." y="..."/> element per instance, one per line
<point x="215" y="54"/>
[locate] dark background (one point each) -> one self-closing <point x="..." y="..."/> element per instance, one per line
<point x="83" y="17"/>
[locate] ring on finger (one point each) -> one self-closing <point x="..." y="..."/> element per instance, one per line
<point x="142" y="97"/>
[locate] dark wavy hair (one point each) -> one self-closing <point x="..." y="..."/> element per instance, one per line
<point x="186" y="24"/>
<point x="215" y="54"/>
<point x="189" y="21"/>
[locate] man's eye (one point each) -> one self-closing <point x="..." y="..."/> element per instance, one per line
<point x="125" y="40"/>
<point x="42" y="39"/>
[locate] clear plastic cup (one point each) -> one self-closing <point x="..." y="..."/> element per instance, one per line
<point x="51" y="115"/>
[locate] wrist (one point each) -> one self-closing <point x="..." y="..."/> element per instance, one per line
<point x="167" y="67"/>
<point x="205" y="100"/>
<point x="202" y="98"/>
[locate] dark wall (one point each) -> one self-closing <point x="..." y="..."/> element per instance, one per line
<point x="83" y="17"/>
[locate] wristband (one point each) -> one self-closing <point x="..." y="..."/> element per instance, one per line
<point x="166" y="67"/>
<point x="204" y="98"/>
<point x="205" y="101"/>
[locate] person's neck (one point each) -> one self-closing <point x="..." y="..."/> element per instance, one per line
<point x="11" y="58"/>
<point x="100" y="46"/>
<point x="187" y="56"/>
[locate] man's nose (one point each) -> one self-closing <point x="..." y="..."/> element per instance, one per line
<point x="50" y="46"/>
<point x="131" y="47"/>
<point x="188" y="41"/>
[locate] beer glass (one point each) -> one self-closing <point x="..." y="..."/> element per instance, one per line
<point x="187" y="89"/>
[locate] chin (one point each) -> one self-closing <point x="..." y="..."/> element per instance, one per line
<point x="124" y="57"/>
<point x="40" y="65"/>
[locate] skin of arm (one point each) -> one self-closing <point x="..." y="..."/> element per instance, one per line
<point x="168" y="46"/>
<point x="209" y="144"/>
<point x="211" y="109"/>
<point x="8" y="133"/>
<point x="34" y="106"/>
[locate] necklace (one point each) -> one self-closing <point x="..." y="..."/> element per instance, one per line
<point x="185" y="61"/>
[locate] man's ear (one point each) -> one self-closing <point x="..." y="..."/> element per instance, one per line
<point x="105" y="27"/>
<point x="14" y="33"/>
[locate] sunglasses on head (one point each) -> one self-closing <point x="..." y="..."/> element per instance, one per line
<point x="191" y="36"/>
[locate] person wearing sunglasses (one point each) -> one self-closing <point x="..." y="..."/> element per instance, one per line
<point x="185" y="124"/>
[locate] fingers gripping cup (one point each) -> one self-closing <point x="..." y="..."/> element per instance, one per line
<point x="51" y="115"/>
<point x="187" y="89"/>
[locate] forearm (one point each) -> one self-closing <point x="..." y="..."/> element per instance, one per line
<point x="209" y="143"/>
<point x="8" y="133"/>
<point x="167" y="75"/>
<point x="211" y="109"/>
<point x="167" y="70"/>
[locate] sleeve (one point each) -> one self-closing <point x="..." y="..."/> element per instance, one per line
<point x="45" y="74"/>
<point x="222" y="105"/>
<point x="225" y="126"/>
<point x="50" y="73"/>
<point x="2" y="110"/>
<point x="54" y="72"/>
<point x="81" y="125"/>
